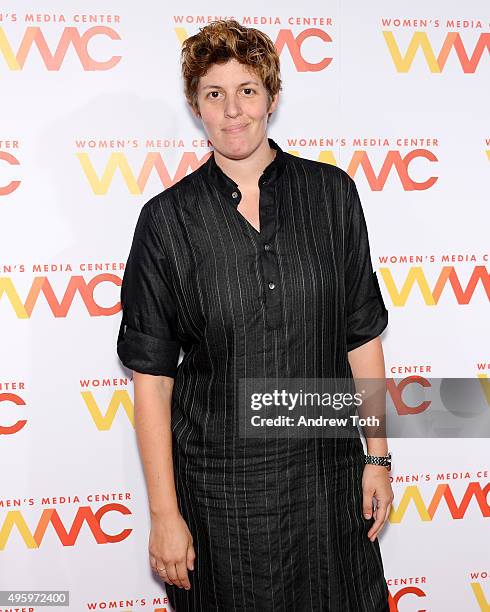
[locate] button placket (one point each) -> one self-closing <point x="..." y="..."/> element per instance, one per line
<point x="268" y="210"/>
<point x="263" y="240"/>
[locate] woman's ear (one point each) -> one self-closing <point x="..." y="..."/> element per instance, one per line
<point x="195" y="110"/>
<point x="273" y="104"/>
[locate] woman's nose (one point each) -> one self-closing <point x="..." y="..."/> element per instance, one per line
<point x="232" y="107"/>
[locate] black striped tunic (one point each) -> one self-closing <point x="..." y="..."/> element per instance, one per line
<point x="277" y="523"/>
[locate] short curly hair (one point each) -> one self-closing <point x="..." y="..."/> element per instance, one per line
<point x="226" y="39"/>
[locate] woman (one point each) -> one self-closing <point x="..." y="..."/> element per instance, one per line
<point x="257" y="265"/>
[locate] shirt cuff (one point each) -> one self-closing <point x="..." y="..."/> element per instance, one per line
<point x="147" y="354"/>
<point x="366" y="323"/>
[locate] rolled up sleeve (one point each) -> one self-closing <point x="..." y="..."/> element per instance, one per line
<point x="147" y="341"/>
<point x="366" y="313"/>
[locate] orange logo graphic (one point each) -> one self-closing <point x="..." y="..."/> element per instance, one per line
<point x="12" y="161"/>
<point x="50" y="517"/>
<point x="436" y="64"/>
<point x="286" y="38"/>
<point x="70" y="37"/>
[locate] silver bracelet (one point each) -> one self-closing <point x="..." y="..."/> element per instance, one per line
<point x="384" y="460"/>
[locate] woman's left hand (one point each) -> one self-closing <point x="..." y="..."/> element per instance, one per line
<point x="376" y="483"/>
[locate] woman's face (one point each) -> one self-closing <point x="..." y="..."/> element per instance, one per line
<point x="233" y="106"/>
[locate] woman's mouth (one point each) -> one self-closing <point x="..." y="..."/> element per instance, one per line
<point x="235" y="129"/>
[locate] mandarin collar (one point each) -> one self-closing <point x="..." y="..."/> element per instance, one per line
<point x="228" y="186"/>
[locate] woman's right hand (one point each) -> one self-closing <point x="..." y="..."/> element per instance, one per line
<point x="171" y="547"/>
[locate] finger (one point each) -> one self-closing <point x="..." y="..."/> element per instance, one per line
<point x="385" y="518"/>
<point x="378" y="521"/>
<point x="161" y="572"/>
<point x="160" y="569"/>
<point x="374" y="518"/>
<point x="156" y="563"/>
<point x="182" y="574"/>
<point x="367" y="506"/>
<point x="165" y="575"/>
<point x="172" y="574"/>
<point x="387" y="514"/>
<point x="191" y="557"/>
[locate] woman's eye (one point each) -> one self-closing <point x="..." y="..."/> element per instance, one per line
<point x="247" y="90"/>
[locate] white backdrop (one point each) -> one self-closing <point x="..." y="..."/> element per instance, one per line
<point x="94" y="123"/>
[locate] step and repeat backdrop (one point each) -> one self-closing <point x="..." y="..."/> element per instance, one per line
<point x="93" y="124"/>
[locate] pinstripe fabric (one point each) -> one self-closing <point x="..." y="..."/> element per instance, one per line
<point x="277" y="523"/>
